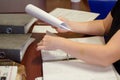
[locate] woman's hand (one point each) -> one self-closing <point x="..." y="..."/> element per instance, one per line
<point x="60" y="30"/>
<point x="50" y="43"/>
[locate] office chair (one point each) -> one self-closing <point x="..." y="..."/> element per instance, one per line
<point x="101" y="6"/>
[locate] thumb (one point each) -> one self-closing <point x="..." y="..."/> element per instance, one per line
<point x="40" y="48"/>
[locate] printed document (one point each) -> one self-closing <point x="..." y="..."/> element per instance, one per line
<point x="8" y="72"/>
<point x="75" y="70"/>
<point x="74" y="15"/>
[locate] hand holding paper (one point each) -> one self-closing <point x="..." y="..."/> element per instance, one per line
<point x="44" y="16"/>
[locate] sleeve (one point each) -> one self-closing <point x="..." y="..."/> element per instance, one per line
<point x="115" y="8"/>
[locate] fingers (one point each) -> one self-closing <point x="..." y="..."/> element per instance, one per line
<point x="40" y="43"/>
<point x="47" y="43"/>
<point x="40" y="46"/>
<point x="63" y="19"/>
<point x="61" y="30"/>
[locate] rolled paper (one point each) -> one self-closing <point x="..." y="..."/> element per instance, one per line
<point x="46" y="17"/>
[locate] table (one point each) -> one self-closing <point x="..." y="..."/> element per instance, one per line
<point x="32" y="59"/>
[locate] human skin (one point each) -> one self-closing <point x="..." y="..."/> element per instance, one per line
<point x="97" y="54"/>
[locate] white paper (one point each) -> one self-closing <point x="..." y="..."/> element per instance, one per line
<point x="44" y="16"/>
<point x="74" y="15"/>
<point x="43" y="29"/>
<point x="75" y="70"/>
<point x="39" y="78"/>
<point x="29" y="25"/>
<point x="8" y="72"/>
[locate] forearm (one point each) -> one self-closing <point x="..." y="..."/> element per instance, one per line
<point x="92" y="27"/>
<point x="86" y="52"/>
<point x="90" y="53"/>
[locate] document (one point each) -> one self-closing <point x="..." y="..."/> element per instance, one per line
<point x="39" y="78"/>
<point x="5" y="64"/>
<point x="75" y="70"/>
<point x="74" y="15"/>
<point x="43" y="29"/>
<point x="46" y="17"/>
<point x="8" y="72"/>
